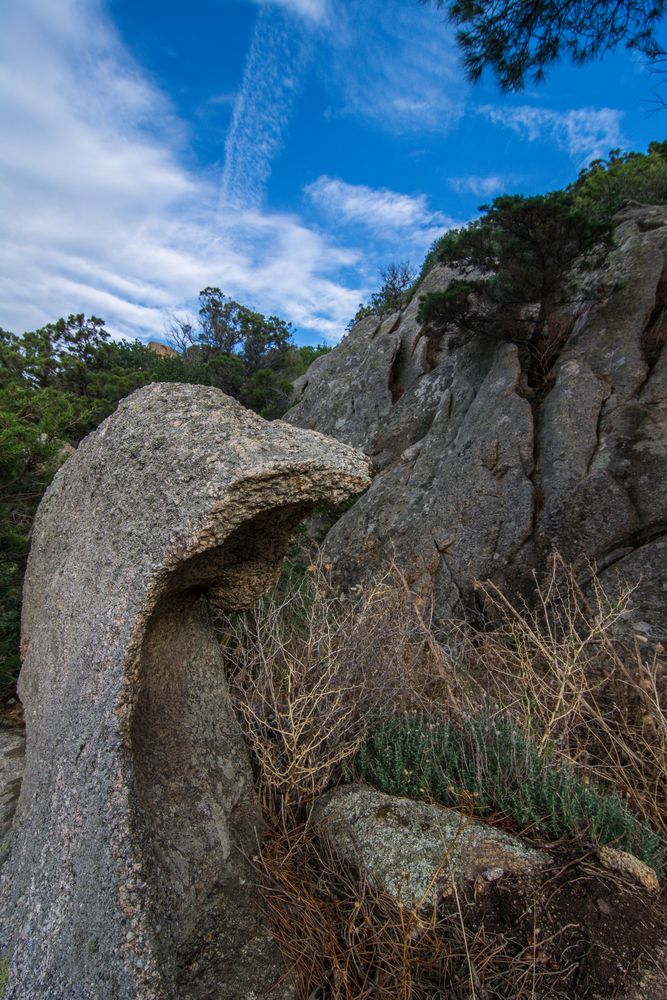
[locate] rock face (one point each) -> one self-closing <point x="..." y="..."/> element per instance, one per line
<point x="12" y="758"/>
<point x="126" y="876"/>
<point x="414" y="849"/>
<point x="480" y="474"/>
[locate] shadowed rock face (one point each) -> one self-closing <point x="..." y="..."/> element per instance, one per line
<point x="126" y="876"/>
<point x="480" y="474"/>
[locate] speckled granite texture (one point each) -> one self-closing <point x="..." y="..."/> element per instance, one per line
<point x="126" y="875"/>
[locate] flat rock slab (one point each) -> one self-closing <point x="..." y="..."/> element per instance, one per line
<point x="127" y="874"/>
<point x="412" y="848"/>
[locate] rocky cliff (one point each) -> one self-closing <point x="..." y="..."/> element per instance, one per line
<point x="481" y="471"/>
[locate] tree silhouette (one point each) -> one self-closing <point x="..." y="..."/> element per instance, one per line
<point x="518" y="40"/>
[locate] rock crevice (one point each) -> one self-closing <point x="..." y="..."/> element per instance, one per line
<point x="508" y="471"/>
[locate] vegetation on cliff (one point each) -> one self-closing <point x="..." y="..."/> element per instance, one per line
<point x="520" y="256"/>
<point x="59" y="382"/>
<point x="524" y="246"/>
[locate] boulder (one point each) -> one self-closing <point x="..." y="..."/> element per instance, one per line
<point x="480" y="474"/>
<point x="128" y="872"/>
<point x="414" y="850"/>
<point x="578" y="928"/>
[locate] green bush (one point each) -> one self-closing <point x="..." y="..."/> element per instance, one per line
<point x="59" y="382"/>
<point x="398" y="286"/>
<point x="526" y="249"/>
<point x="601" y="189"/>
<point x="491" y="767"/>
<point x="596" y="195"/>
<point x="453" y="307"/>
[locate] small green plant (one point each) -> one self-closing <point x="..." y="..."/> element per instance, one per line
<point x="490" y="767"/>
<point x="438" y="310"/>
<point x="396" y="290"/>
<point x="604" y="185"/>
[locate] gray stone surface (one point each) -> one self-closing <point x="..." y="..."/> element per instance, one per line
<point x="478" y="474"/>
<point x="414" y="849"/>
<point x="127" y="874"/>
<point x="12" y="758"/>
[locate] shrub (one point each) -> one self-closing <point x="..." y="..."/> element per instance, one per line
<point x="491" y="767"/>
<point x="453" y="307"/>
<point x="601" y="188"/>
<point x="309" y="668"/>
<point x="398" y="283"/>
<point x="559" y="669"/>
<point x="528" y="245"/>
<point x="528" y="250"/>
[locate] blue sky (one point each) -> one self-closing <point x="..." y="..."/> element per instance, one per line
<point x="283" y="150"/>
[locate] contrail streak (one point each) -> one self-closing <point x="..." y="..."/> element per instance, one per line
<point x="277" y="58"/>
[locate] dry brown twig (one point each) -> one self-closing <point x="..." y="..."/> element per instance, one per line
<point x="560" y="669"/>
<point x="309" y="671"/>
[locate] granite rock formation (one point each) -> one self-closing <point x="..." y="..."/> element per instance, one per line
<point x="127" y="874"/>
<point x="479" y="472"/>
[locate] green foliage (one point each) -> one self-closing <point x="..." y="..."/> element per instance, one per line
<point x="4" y="974"/>
<point x="398" y="284"/>
<point x="491" y="767"/>
<point x="601" y="189"/>
<point x="591" y="200"/>
<point x="229" y="329"/>
<point x="469" y="245"/>
<point x="307" y="354"/>
<point x="518" y="41"/>
<point x="57" y="383"/>
<point x="437" y="310"/>
<point x="525" y="246"/>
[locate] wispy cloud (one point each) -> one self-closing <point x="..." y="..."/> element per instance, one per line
<point x="380" y="210"/>
<point x="481" y="187"/>
<point x="274" y="66"/>
<point x="395" y="64"/>
<point x="584" y="133"/>
<point x="317" y="10"/>
<point x="100" y="214"/>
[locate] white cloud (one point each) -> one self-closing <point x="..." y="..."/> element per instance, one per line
<point x="584" y="133"/>
<point x="99" y="213"/>
<point x="376" y="208"/>
<point x="385" y="213"/>
<point x="481" y="187"/>
<point x="317" y="10"/>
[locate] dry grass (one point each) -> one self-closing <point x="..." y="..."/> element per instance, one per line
<point x="346" y="939"/>
<point x="308" y="672"/>
<point x="559" y="669"/>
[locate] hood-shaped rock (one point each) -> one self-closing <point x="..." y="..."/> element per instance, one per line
<point x="127" y="875"/>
